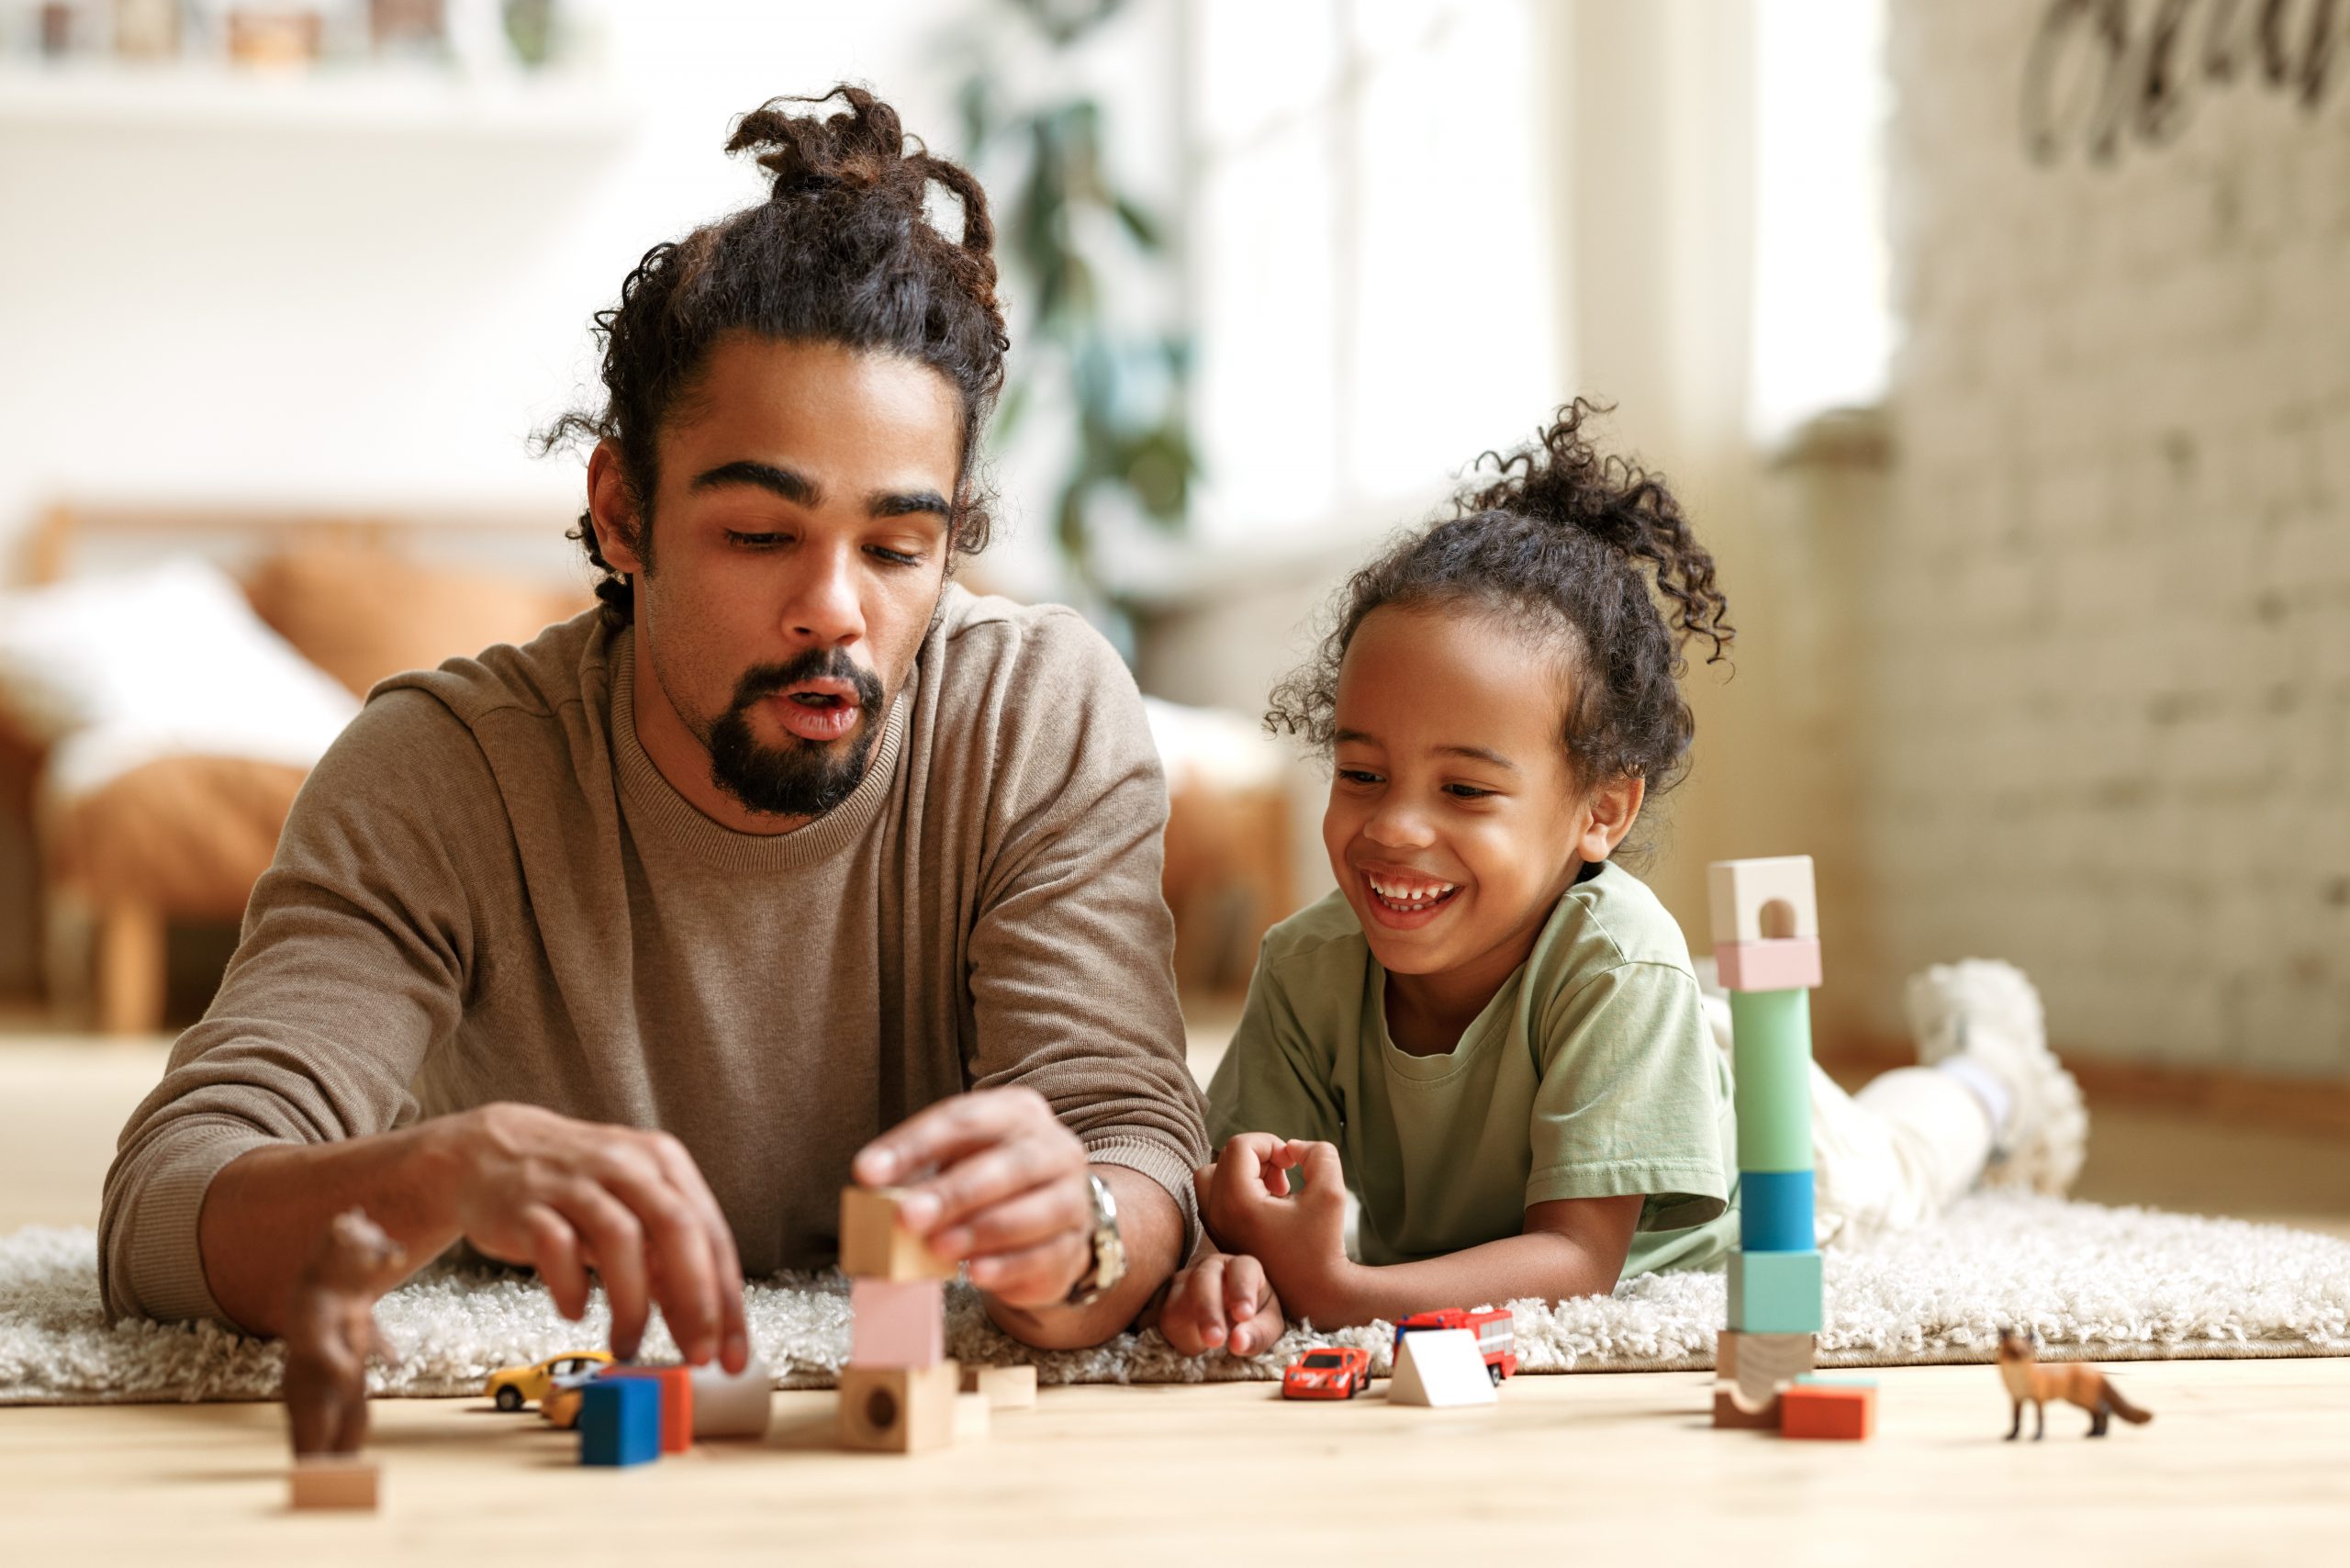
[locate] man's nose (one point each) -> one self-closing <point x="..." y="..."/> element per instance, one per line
<point x="825" y="608"/>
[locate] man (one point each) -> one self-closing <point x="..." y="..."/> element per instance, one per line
<point x="612" y="953"/>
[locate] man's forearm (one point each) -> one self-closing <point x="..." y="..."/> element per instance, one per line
<point x="1152" y="1229"/>
<point x="266" y="1207"/>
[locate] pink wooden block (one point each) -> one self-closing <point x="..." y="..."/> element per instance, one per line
<point x="1783" y="963"/>
<point x="897" y="1323"/>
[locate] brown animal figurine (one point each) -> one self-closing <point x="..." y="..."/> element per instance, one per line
<point x="2078" y="1382"/>
<point x="331" y="1332"/>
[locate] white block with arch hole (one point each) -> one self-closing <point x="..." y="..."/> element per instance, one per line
<point x="1440" y="1367"/>
<point x="1762" y="901"/>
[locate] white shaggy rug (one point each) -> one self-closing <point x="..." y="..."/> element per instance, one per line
<point x="2113" y="1285"/>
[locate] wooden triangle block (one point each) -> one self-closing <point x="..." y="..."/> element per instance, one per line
<point x="1440" y="1367"/>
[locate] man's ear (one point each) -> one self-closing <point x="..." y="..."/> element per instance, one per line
<point x="612" y="508"/>
<point x="1609" y="815"/>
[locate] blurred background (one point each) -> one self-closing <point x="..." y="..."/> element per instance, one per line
<point x="2000" y="351"/>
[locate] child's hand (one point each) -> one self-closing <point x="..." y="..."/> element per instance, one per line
<point x="1247" y="1203"/>
<point x="1221" y="1300"/>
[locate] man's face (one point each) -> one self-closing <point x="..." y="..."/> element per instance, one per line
<point x="797" y="548"/>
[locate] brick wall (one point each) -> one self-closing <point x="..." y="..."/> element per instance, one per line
<point x="2105" y="727"/>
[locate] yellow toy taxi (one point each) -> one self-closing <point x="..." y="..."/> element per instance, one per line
<point x="518" y="1386"/>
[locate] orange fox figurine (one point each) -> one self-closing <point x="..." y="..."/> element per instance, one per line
<point x="2081" y="1384"/>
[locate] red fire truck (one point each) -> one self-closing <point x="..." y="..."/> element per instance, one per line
<point x="1496" y="1335"/>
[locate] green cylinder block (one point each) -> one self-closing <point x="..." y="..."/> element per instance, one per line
<point x="1771" y="1059"/>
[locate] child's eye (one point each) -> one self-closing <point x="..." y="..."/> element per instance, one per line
<point x="1358" y="775"/>
<point x="1467" y="791"/>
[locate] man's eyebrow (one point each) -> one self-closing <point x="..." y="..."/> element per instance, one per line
<point x="907" y="503"/>
<point x="784" y="482"/>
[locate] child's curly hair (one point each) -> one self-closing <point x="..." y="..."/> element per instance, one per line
<point x="1567" y="544"/>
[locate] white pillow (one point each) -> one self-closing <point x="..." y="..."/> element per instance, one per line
<point x="116" y="671"/>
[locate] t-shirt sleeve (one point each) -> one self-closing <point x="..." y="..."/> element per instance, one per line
<point x="353" y="963"/>
<point x="1272" y="1078"/>
<point x="1072" y="978"/>
<point x="1631" y="1098"/>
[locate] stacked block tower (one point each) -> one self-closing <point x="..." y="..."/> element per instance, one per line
<point x="1765" y="921"/>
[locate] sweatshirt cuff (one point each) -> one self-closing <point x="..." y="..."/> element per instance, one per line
<point x="1162" y="1165"/>
<point x="163" y="1262"/>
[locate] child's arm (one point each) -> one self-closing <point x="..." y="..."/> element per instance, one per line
<point x="1571" y="1247"/>
<point x="1219" y="1300"/>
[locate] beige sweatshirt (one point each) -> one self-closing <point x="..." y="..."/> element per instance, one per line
<point x="487" y="891"/>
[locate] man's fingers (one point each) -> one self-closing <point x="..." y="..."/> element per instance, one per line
<point x="733" y="1348"/>
<point x="677" y="1249"/>
<point x="991" y="1177"/>
<point x="617" y="1241"/>
<point x="555" y="1252"/>
<point x="1021" y="1222"/>
<point x="947" y="1132"/>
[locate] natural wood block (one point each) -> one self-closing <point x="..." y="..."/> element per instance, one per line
<point x="898" y="1409"/>
<point x="1731" y="1413"/>
<point x="1756" y="1366"/>
<point x="332" y="1481"/>
<point x="970" y="1418"/>
<point x="897" y="1323"/>
<point x="1756" y="901"/>
<point x="874" y="1245"/>
<point x="1007" y="1388"/>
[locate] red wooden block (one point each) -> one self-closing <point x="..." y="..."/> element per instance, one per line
<point x="1826" y="1410"/>
<point x="676" y="1402"/>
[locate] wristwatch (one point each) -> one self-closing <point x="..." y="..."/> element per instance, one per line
<point x="1109" y="1264"/>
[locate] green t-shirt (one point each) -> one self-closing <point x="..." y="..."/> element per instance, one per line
<point x="1589" y="1074"/>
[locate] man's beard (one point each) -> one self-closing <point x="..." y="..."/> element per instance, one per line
<point x="799" y="777"/>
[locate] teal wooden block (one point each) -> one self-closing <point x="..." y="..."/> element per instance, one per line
<point x="1771" y="1060"/>
<point x="1775" y="1293"/>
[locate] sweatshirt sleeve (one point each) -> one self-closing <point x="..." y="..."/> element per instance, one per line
<point x="351" y="965"/>
<point x="1072" y="979"/>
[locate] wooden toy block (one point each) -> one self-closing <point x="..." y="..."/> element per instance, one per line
<point x="732" y="1404"/>
<point x="676" y="1385"/>
<point x="1789" y="964"/>
<point x="1442" y="1367"/>
<point x="897" y="1323"/>
<point x="619" y="1421"/>
<point x="1774" y="1211"/>
<point x="899" y="1409"/>
<point x="875" y="1246"/>
<point x="1771" y="1067"/>
<point x="1758" y="901"/>
<point x="1007" y="1388"/>
<point x="332" y="1481"/>
<point x="1838" y="1410"/>
<point x="970" y="1418"/>
<point x="1753" y="1368"/>
<point x="1775" y="1293"/>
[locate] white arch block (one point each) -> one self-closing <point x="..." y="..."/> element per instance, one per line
<point x="1739" y="891"/>
<point x="1440" y="1366"/>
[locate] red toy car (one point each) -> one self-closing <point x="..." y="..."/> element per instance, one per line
<point x="1326" y="1371"/>
<point x="1496" y="1334"/>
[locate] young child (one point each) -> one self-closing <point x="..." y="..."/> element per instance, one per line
<point x="1491" y="1034"/>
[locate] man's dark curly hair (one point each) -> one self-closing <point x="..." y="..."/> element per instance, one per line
<point x="841" y="252"/>
<point x="1572" y="547"/>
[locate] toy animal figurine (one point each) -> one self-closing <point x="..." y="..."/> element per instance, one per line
<point x="331" y="1332"/>
<point x="2081" y="1384"/>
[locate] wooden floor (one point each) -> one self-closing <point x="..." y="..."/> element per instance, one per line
<point x="2246" y="1461"/>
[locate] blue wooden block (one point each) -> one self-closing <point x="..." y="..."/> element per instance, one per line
<point x="619" y="1421"/>
<point x="1774" y="1211"/>
<point x="1775" y="1293"/>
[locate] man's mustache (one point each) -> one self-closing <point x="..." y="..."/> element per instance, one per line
<point x="816" y="664"/>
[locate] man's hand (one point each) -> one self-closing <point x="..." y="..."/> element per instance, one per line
<point x="1248" y="1207"/>
<point x="1221" y="1300"/>
<point x="993" y="1178"/>
<point x="567" y="1196"/>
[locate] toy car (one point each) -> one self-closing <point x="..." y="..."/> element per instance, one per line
<point x="559" y="1406"/>
<point x="1326" y="1371"/>
<point x="1497" y="1333"/>
<point x="518" y="1386"/>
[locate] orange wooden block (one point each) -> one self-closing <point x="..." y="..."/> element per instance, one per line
<point x="1847" y="1411"/>
<point x="676" y="1402"/>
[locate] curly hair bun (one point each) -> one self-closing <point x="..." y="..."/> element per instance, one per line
<point x="861" y="149"/>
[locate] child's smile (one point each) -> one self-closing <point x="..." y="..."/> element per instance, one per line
<point x="1454" y="821"/>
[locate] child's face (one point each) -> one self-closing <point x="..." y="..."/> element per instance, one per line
<point x="1454" y="821"/>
